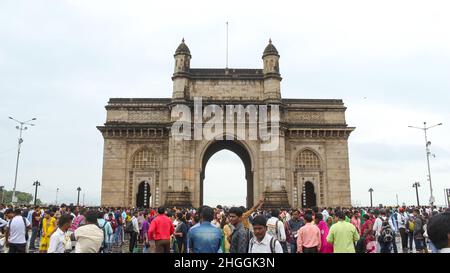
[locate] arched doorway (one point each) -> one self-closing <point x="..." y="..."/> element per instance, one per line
<point x="309" y="195"/>
<point x="240" y="151"/>
<point x="143" y="195"/>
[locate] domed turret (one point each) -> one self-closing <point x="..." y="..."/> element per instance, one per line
<point x="270" y="58"/>
<point x="182" y="58"/>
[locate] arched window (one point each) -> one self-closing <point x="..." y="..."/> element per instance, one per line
<point x="308" y="160"/>
<point x="144" y="159"/>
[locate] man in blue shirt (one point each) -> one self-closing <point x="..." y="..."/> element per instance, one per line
<point x="205" y="238"/>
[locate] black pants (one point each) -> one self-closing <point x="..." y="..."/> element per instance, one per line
<point x="404" y="237"/>
<point x="133" y="240"/>
<point x="309" y="249"/>
<point x="17" y="248"/>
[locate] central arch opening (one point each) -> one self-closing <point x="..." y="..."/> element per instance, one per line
<point x="234" y="150"/>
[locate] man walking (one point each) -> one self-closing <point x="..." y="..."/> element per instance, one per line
<point x="205" y="238"/>
<point x="275" y="227"/>
<point x="308" y="240"/>
<point x="17" y="234"/>
<point x="240" y="236"/>
<point x="161" y="228"/>
<point x="262" y="242"/>
<point x="343" y="235"/>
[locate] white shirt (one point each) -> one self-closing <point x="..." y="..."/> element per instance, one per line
<point x="445" y="250"/>
<point x="264" y="245"/>
<point x="134" y="220"/>
<point x="271" y="226"/>
<point x="377" y="225"/>
<point x="89" y="239"/>
<point x="57" y="242"/>
<point x="325" y="215"/>
<point x="3" y="223"/>
<point x="17" y="230"/>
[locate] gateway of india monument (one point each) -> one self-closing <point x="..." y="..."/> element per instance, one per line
<point x="144" y="165"/>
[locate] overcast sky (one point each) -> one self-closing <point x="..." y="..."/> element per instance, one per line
<point x="61" y="61"/>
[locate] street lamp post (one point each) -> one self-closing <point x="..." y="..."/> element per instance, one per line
<point x="20" y="128"/>
<point x="371" y="190"/>
<point x="417" y="185"/>
<point x="56" y="199"/>
<point x="2" y="190"/>
<point x="78" y="199"/>
<point x="427" y="149"/>
<point x="36" y="184"/>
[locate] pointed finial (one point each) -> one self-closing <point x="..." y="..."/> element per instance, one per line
<point x="182" y="40"/>
<point x="270" y="40"/>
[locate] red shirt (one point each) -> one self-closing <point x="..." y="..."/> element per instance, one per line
<point x="161" y="228"/>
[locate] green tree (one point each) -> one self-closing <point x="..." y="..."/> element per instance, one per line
<point x="22" y="197"/>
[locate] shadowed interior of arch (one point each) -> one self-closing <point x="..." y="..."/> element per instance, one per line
<point x="229" y="179"/>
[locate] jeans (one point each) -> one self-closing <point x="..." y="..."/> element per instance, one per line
<point x="284" y="247"/>
<point x="118" y="238"/>
<point x="293" y="248"/>
<point x="433" y="247"/>
<point x="385" y="247"/>
<point x="17" y="248"/>
<point x="410" y="239"/>
<point x="419" y="244"/>
<point x="34" y="233"/>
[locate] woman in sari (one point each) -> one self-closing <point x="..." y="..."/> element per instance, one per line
<point x="323" y="227"/>
<point x="48" y="227"/>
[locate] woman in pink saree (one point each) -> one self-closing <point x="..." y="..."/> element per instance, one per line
<point x="323" y="227"/>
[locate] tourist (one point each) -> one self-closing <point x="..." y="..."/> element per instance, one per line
<point x="144" y="233"/>
<point x="401" y="222"/>
<point x="107" y="230"/>
<point x="79" y="220"/>
<point x="59" y="242"/>
<point x="342" y="235"/>
<point x="367" y="234"/>
<point x="181" y="233"/>
<point x="262" y="241"/>
<point x="35" y="219"/>
<point x="292" y="227"/>
<point x="308" y="239"/>
<point x="240" y="236"/>
<point x="386" y="237"/>
<point x="134" y="231"/>
<point x="17" y="234"/>
<point x="89" y="237"/>
<point x="204" y="238"/>
<point x="161" y="229"/>
<point x="438" y="230"/>
<point x="419" y="239"/>
<point x="246" y="215"/>
<point x="227" y="230"/>
<point x="48" y="227"/>
<point x="356" y="221"/>
<point x="324" y="230"/>
<point x="275" y="227"/>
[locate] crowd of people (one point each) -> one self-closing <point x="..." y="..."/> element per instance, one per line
<point x="73" y="229"/>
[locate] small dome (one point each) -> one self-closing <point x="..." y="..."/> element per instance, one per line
<point x="270" y="49"/>
<point x="183" y="49"/>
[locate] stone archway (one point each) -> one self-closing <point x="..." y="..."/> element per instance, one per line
<point x="143" y="195"/>
<point x="309" y="195"/>
<point x="240" y="151"/>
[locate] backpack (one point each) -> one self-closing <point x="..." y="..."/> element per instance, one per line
<point x="103" y="247"/>
<point x="410" y="225"/>
<point x="386" y="236"/>
<point x="274" y="233"/>
<point x="272" y="244"/>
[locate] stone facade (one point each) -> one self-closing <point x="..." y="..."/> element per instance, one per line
<point x="310" y="166"/>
